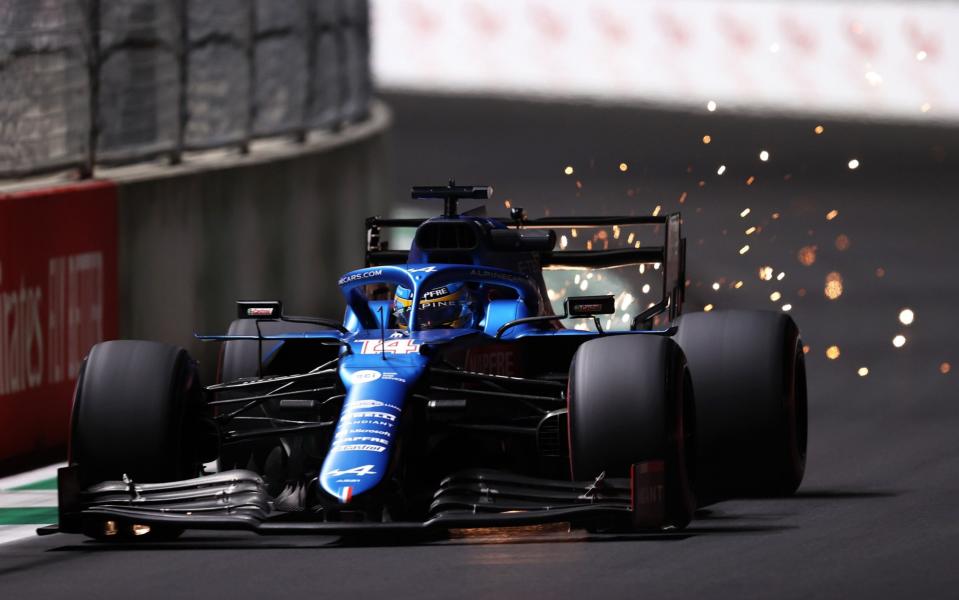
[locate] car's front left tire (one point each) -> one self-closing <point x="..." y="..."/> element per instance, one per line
<point x="137" y="414"/>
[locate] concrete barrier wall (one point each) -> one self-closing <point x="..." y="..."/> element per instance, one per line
<point x="281" y="224"/>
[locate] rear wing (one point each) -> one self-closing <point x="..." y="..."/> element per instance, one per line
<point x="671" y="254"/>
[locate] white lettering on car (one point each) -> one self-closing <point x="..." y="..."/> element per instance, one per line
<point x="360" y="471"/>
<point x="358" y="276"/>
<point x="392" y="346"/>
<point x="365" y="376"/>
<point x="359" y="448"/>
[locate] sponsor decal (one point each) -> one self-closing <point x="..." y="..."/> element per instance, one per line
<point x="358" y="276"/>
<point x="353" y="405"/>
<point x="391" y="346"/>
<point x="346" y="493"/>
<point x="440" y="304"/>
<point x="373" y="422"/>
<point x="364" y="438"/>
<point x="496" y="275"/>
<point x="358" y="471"/>
<point x="430" y="269"/>
<point x="359" y="448"/>
<point x="259" y="311"/>
<point x="365" y="404"/>
<point x="365" y="376"/>
<point x="495" y="360"/>
<point x="648" y="493"/>
<point x="356" y="431"/>
<point x="436" y="293"/>
<point x="397" y="334"/>
<point x="391" y="376"/>
<point x="371" y="414"/>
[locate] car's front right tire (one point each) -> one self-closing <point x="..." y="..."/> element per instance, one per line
<point x="630" y="401"/>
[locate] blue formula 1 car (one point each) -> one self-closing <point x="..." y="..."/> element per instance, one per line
<point x="455" y="393"/>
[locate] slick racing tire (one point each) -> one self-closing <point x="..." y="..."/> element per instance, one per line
<point x="749" y="374"/>
<point x="630" y="400"/>
<point x="137" y="413"/>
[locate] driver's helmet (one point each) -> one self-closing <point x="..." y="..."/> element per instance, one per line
<point x="446" y="306"/>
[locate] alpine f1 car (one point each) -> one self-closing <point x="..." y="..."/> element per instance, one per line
<point x="452" y="395"/>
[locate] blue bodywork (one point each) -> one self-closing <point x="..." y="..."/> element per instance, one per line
<point x="380" y="366"/>
<point x="385" y="364"/>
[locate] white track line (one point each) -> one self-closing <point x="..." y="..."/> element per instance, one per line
<point x="26" y="499"/>
<point x="33" y="476"/>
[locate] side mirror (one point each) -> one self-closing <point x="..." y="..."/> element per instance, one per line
<point x="264" y="309"/>
<point x="588" y="306"/>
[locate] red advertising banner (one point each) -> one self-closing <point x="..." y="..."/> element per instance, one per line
<point x="58" y="297"/>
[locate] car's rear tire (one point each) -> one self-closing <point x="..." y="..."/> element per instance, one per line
<point x="630" y="400"/>
<point x="749" y="374"/>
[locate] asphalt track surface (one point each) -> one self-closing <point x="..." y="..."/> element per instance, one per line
<point x="877" y="515"/>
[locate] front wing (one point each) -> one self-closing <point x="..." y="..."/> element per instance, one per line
<point x="238" y="500"/>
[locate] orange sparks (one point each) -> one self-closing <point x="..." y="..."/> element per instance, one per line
<point x="818" y="129"/>
<point x="945" y="368"/>
<point x="842" y="242"/>
<point x="750" y="180"/>
<point x="880" y="272"/>
<point x="707" y="139"/>
<point x="806" y="255"/>
<point x="832" y="214"/>
<point x="833" y="288"/>
<point x="832" y="352"/>
<point x="682" y="198"/>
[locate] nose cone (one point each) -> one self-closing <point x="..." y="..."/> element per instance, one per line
<point x="359" y="456"/>
<point x="360" y="452"/>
